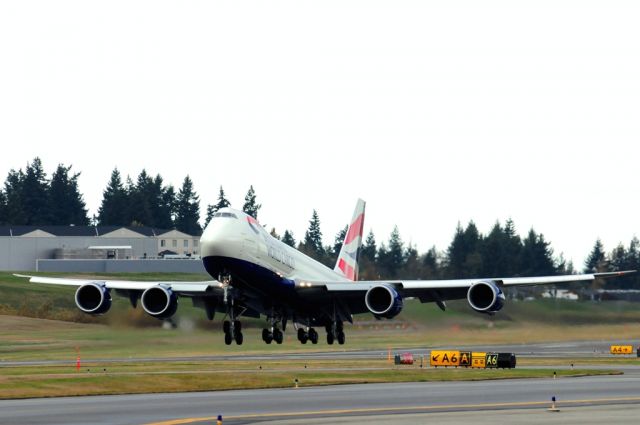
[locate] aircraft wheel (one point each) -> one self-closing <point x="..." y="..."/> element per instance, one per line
<point x="239" y="338"/>
<point x="313" y="336"/>
<point x="341" y="338"/>
<point x="226" y="326"/>
<point x="228" y="338"/>
<point x="237" y="326"/>
<point x="278" y="336"/>
<point x="330" y="338"/>
<point x="267" y="336"/>
<point x="303" y="336"/>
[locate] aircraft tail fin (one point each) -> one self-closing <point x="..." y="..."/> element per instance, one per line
<point x="347" y="264"/>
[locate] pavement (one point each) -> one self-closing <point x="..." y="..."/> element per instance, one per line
<point x="596" y="348"/>
<point x="360" y="401"/>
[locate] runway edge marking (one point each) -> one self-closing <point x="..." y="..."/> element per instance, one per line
<point x="390" y="409"/>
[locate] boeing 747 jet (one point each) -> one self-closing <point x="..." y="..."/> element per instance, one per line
<point x="258" y="275"/>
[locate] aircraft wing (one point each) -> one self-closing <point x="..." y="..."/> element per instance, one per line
<point x="433" y="290"/>
<point x="182" y="288"/>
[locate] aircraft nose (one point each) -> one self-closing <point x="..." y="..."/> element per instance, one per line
<point x="220" y="240"/>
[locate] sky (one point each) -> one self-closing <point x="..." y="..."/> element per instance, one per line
<point x="434" y="112"/>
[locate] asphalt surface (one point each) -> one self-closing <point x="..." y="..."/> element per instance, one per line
<point x="251" y="406"/>
<point x="553" y="349"/>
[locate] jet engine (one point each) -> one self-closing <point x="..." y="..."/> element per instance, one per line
<point x="485" y="297"/>
<point x="383" y="301"/>
<point x="159" y="302"/>
<point x="93" y="298"/>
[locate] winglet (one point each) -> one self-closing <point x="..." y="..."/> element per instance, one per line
<point x="347" y="264"/>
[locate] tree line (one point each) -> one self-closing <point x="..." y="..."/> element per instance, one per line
<point x="29" y="197"/>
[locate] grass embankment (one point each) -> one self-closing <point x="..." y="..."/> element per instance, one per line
<point x="93" y="379"/>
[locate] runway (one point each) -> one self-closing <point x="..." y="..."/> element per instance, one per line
<point x="357" y="401"/>
<point x="547" y="349"/>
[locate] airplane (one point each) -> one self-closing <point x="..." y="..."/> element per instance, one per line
<point x="258" y="275"/>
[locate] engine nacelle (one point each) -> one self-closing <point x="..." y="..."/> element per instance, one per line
<point x="383" y="301"/>
<point x="485" y="297"/>
<point x="159" y="302"/>
<point x="93" y="298"/>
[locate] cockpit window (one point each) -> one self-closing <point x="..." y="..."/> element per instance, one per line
<point x="225" y="214"/>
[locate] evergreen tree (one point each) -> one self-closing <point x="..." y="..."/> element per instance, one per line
<point x="312" y="244"/>
<point x="463" y="256"/>
<point x="66" y="205"/>
<point x="168" y="207"/>
<point x="537" y="256"/>
<point x="367" y="261"/>
<point x="288" y="238"/>
<point x="3" y="208"/>
<point x="114" y="208"/>
<point x="188" y="209"/>
<point x="619" y="258"/>
<point x="250" y="206"/>
<point x="511" y="251"/>
<point x="34" y="190"/>
<point x="369" y="248"/>
<point x="596" y="261"/>
<point x="430" y="263"/>
<point x="162" y="203"/>
<point x="14" y="212"/>
<point x="392" y="259"/>
<point x="412" y="268"/>
<point x="493" y="252"/>
<point x="212" y="209"/>
<point x="141" y="199"/>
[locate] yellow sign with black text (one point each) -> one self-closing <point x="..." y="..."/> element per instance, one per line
<point x="478" y="360"/>
<point x="621" y="349"/>
<point x="445" y="358"/>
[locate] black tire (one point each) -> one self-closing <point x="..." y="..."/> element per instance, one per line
<point x="330" y="338"/>
<point x="278" y="336"/>
<point x="301" y="333"/>
<point x="226" y="326"/>
<point x="341" y="338"/>
<point x="237" y="326"/>
<point x="228" y="338"/>
<point x="269" y="339"/>
<point x="265" y="334"/>
<point x="313" y="336"/>
<point x="239" y="338"/>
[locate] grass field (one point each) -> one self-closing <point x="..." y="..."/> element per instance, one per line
<point x="94" y="378"/>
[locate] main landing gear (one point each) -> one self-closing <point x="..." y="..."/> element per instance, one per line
<point x="335" y="331"/>
<point x="273" y="333"/>
<point x="308" y="334"/>
<point x="232" y="332"/>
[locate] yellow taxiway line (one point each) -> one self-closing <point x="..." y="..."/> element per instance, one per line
<point x="393" y="409"/>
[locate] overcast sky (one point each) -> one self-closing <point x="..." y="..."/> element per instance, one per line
<point x="433" y="112"/>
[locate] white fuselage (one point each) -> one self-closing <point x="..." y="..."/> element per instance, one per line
<point x="235" y="235"/>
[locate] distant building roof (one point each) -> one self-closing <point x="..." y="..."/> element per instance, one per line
<point x="86" y="231"/>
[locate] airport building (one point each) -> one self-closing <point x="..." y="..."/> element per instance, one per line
<point x="96" y="248"/>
